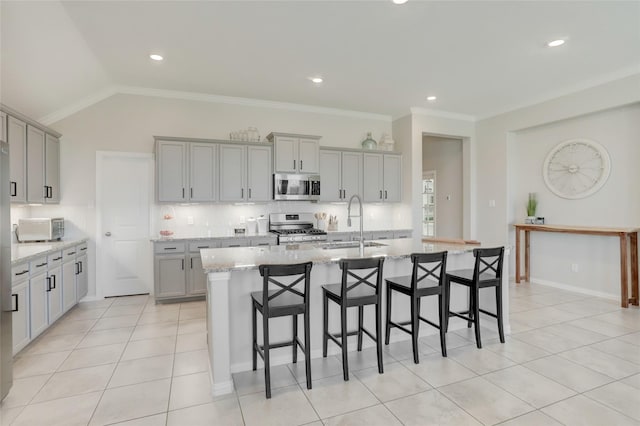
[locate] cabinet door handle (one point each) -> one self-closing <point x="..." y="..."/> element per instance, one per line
<point x="294" y="164"/>
<point x="48" y="284"/>
<point x="22" y="273"/>
<point x="249" y="193"/>
<point x="300" y="164"/>
<point x="241" y="192"/>
<point x="17" y="308"/>
<point x="81" y="266"/>
<point x="13" y="188"/>
<point x="191" y="192"/>
<point x="385" y="194"/>
<point x="192" y="263"/>
<point x="77" y="268"/>
<point x="70" y="253"/>
<point x="57" y="258"/>
<point x="51" y="192"/>
<point x="381" y="194"/>
<point x="41" y="265"/>
<point x="83" y="249"/>
<point x="183" y="264"/>
<point x="54" y="281"/>
<point x="170" y="248"/>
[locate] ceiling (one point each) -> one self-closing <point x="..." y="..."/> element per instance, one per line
<point x="479" y="57"/>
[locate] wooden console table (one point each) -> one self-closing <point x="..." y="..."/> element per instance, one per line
<point x="628" y="249"/>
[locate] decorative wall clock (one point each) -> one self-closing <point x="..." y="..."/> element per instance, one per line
<point x="576" y="168"/>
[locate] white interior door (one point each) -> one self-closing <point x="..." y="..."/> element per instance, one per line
<point x="123" y="202"/>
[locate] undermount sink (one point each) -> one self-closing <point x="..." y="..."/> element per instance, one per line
<point x="349" y="244"/>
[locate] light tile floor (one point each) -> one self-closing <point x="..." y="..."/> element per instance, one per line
<point x="570" y="359"/>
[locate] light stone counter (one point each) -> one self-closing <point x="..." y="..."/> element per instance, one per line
<point x="248" y="258"/>
<point x="23" y="252"/>
<point x="232" y="275"/>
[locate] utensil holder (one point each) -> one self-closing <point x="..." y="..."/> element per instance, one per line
<point x="322" y="224"/>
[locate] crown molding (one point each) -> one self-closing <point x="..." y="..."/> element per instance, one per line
<point x="78" y="106"/>
<point x="617" y="75"/>
<point x="232" y="100"/>
<point x="441" y="114"/>
<point x="202" y="97"/>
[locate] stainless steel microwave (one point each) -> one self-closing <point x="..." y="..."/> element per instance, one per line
<point x="296" y="187"/>
<point x="40" y="229"/>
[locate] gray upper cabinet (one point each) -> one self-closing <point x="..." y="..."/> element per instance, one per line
<point x="36" y="191"/>
<point x="200" y="171"/>
<point x="171" y="160"/>
<point x="382" y="177"/>
<point x="52" y="169"/>
<point x="3" y="126"/>
<point x="392" y="178"/>
<point x="233" y="173"/>
<point x="309" y="154"/>
<point x="340" y="175"/>
<point x="203" y="172"/>
<point x="295" y="153"/>
<point x="372" y="177"/>
<point x="17" y="137"/>
<point x="330" y="175"/>
<point x="259" y="173"/>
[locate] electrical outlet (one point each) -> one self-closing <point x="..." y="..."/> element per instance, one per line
<point x="574" y="267"/>
<point x="448" y="197"/>
<point x="189" y="220"/>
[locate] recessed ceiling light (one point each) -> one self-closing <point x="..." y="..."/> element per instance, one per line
<point x="156" y="57"/>
<point x="400" y="1"/>
<point x="555" y="43"/>
<point x="316" y="80"/>
<point x="431" y="98"/>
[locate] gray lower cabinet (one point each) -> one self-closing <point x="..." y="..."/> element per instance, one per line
<point x="69" y="276"/>
<point x="82" y="278"/>
<point x="54" y="294"/>
<point x="20" y="317"/>
<point x="197" y="277"/>
<point x="38" y="291"/>
<point x="170" y="276"/>
<point x="178" y="272"/>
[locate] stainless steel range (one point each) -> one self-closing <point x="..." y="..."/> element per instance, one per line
<point x="295" y="228"/>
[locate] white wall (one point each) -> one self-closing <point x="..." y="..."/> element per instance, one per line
<point x="617" y="203"/>
<point x="598" y="113"/>
<point x="129" y="122"/>
<point x="444" y="155"/>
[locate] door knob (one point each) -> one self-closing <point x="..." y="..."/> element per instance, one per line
<point x="107" y="234"/>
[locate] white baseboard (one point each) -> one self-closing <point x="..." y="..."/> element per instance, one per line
<point x="574" y="289"/>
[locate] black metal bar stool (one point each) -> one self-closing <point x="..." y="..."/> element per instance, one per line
<point x="282" y="300"/>
<point x="427" y="279"/>
<point x="366" y="290"/>
<point x="487" y="272"/>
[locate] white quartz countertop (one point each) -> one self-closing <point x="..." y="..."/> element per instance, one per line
<point x="247" y="258"/>
<point x="23" y="252"/>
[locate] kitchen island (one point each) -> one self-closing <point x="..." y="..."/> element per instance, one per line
<point x="232" y="274"/>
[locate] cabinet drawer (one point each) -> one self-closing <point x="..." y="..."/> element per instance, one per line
<point x="234" y="242"/>
<point x="339" y="236"/>
<point x="381" y="235"/>
<point x="70" y="253"/>
<point x="263" y="241"/>
<point x="19" y="273"/>
<point x="81" y="248"/>
<point x="195" y="247"/>
<point x="38" y="265"/>
<point x="54" y="259"/>
<point x="169" y="247"/>
<point x="402" y="234"/>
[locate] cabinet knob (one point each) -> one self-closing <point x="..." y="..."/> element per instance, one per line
<point x="107" y="234"/>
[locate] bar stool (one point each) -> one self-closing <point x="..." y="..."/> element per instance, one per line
<point x="366" y="290"/>
<point x="283" y="300"/>
<point x="487" y="272"/>
<point x="427" y="279"/>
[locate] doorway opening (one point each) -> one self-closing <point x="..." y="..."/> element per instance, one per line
<point x="443" y="206"/>
<point x="429" y="204"/>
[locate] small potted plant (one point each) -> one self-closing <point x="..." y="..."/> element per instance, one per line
<point x="532" y="205"/>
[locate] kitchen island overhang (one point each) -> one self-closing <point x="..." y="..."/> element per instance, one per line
<point x="232" y="274"/>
